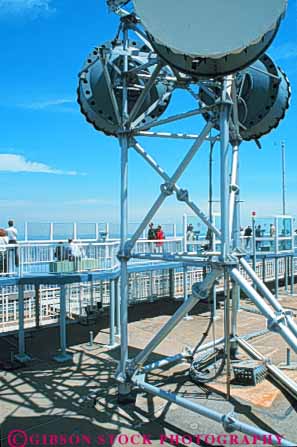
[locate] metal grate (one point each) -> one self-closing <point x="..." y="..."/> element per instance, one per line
<point x="249" y="372"/>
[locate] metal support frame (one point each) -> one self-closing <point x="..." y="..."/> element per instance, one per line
<point x="228" y="421"/>
<point x="276" y="321"/>
<point x="276" y="279"/>
<point x="200" y="292"/>
<point x="63" y="355"/>
<point x="118" y="307"/>
<point x="263" y="289"/>
<point x="124" y="386"/>
<point x="21" y="356"/>
<point x="112" y="314"/>
<point x="292" y="274"/>
<point x="130" y="371"/>
<point x="185" y="287"/>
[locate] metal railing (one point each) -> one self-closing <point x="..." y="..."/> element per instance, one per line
<point x="44" y="308"/>
<point x="29" y="258"/>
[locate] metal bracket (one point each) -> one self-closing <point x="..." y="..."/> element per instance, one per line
<point x="234" y="188"/>
<point x="167" y="188"/>
<point x="229" y="422"/>
<point x="125" y="255"/>
<point x="280" y="317"/>
<point x="182" y="195"/>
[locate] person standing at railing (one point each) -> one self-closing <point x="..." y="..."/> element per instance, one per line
<point x="248" y="234"/>
<point x="3" y="251"/>
<point x="258" y="233"/>
<point x="272" y="235"/>
<point x="60" y="253"/>
<point x="190" y="237"/>
<point x="151" y="235"/>
<point x="160" y="235"/>
<point x="75" y="253"/>
<point x="13" y="254"/>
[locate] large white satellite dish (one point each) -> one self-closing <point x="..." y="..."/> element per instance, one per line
<point x="209" y="31"/>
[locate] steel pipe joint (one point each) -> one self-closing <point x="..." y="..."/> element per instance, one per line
<point x="167" y="188"/>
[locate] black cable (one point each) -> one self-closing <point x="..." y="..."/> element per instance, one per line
<point x="204" y="336"/>
<point x="201" y="368"/>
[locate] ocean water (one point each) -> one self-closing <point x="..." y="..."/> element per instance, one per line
<point x="45" y="231"/>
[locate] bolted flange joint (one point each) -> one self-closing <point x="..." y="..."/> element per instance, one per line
<point x="229" y="422"/>
<point x="234" y="188"/>
<point x="280" y="317"/>
<point x="182" y="195"/>
<point x="122" y="133"/>
<point x="125" y="254"/>
<point x="273" y="323"/>
<point x="167" y="188"/>
<point x="222" y="102"/>
<point x="235" y="139"/>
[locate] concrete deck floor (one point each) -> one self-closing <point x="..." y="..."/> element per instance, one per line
<point x="48" y="398"/>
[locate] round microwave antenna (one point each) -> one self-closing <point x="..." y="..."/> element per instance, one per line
<point x="100" y="86"/>
<point x="116" y="4"/>
<point x="208" y="38"/>
<point x="263" y="97"/>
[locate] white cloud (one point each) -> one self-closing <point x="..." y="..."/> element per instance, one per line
<point x="19" y="7"/>
<point x="18" y="163"/>
<point x="41" y="105"/>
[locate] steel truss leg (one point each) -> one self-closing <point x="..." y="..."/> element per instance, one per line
<point x="118" y="307"/>
<point x="224" y="169"/>
<point x="200" y="291"/>
<point x="124" y="387"/>
<point x="276" y="321"/>
<point x="262" y="288"/>
<point x="112" y="309"/>
<point x="228" y="421"/>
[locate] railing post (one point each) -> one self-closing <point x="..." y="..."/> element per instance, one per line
<point x="26" y="231"/>
<point x="112" y="286"/>
<point x="276" y="276"/>
<point x="118" y="307"/>
<point x="92" y="294"/>
<point x="37" y="306"/>
<point x="21" y="250"/>
<point x="21" y="356"/>
<point x="174" y="230"/>
<point x="172" y="283"/>
<point x="286" y="273"/>
<point x="185" y="233"/>
<point x="51" y="231"/>
<point x="292" y="275"/>
<point x="185" y="287"/>
<point x="63" y="355"/>
<point x="264" y="269"/>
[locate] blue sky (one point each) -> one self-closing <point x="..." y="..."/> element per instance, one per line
<point x="55" y="166"/>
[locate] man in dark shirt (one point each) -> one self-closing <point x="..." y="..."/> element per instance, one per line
<point x="151" y="235"/>
<point x="247" y="234"/>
